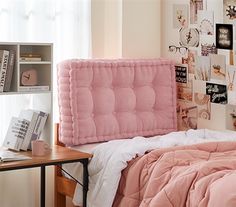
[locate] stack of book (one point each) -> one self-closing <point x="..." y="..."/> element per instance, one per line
<point x="7" y="60"/>
<point x="24" y="129"/>
<point x="7" y="156"/>
<point x="30" y="57"/>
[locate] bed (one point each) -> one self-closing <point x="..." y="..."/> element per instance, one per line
<point x="130" y="107"/>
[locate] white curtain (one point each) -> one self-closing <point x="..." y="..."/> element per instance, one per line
<point x="65" y="23"/>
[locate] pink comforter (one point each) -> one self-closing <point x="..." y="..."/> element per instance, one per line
<point x="199" y="175"/>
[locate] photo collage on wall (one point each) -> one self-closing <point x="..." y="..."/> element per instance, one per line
<point x="202" y="46"/>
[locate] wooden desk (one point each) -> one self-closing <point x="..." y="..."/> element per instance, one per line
<point x="59" y="155"/>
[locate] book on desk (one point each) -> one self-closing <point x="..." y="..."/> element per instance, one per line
<point x="8" y="156"/>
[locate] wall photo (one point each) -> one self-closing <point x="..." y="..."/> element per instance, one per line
<point x="206" y="22"/>
<point x="195" y="6"/>
<point x="203" y="104"/>
<point x="224" y="36"/>
<point x="231" y="84"/>
<point x="181" y="74"/>
<point x="230" y="78"/>
<point x="217" y="92"/>
<point x="185" y="92"/>
<point x="202" y="70"/>
<point x="229" y="11"/>
<point x="192" y="58"/>
<point x="189" y="37"/>
<point x="207" y="49"/>
<point x="187" y="115"/>
<point x="180" y="15"/>
<point x="218" y="67"/>
<point x="231" y="117"/>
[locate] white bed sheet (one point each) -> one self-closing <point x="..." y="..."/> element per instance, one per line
<point x="111" y="158"/>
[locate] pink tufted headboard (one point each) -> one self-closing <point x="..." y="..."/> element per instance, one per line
<point x="101" y="100"/>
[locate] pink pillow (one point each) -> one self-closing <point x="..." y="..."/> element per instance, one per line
<point x="102" y="100"/>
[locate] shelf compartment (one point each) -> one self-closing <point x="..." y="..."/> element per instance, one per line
<point x="43" y="72"/>
<point x="43" y="50"/>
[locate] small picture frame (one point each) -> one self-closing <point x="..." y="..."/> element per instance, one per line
<point x="224" y="36"/>
<point x="181" y="74"/>
<point x="217" y="93"/>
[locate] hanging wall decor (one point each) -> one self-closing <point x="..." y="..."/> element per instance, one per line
<point x="207" y="49"/>
<point x="217" y="92"/>
<point x="206" y="22"/>
<point x="231" y="71"/>
<point x="224" y="36"/>
<point x="195" y="6"/>
<point x="185" y="92"/>
<point x="189" y="37"/>
<point x="231" y="117"/>
<point x="181" y="73"/>
<point x="231" y="83"/>
<point x="192" y="56"/>
<point x="229" y="11"/>
<point x="187" y="115"/>
<point x="203" y="104"/>
<point x="218" y="67"/>
<point x="180" y="15"/>
<point x="202" y="69"/>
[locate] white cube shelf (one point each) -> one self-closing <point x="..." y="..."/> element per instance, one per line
<point x="43" y="67"/>
<point x="39" y="99"/>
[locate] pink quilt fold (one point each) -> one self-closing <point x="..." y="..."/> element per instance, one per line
<point x="201" y="175"/>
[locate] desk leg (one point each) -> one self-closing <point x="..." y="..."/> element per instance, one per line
<point x="85" y="182"/>
<point x="42" y="187"/>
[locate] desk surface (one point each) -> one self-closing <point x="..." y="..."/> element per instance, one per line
<point x="58" y="155"/>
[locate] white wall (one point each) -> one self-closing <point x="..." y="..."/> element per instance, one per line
<point x="141" y="29"/>
<point x="126" y="28"/>
<point x="106" y="28"/>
